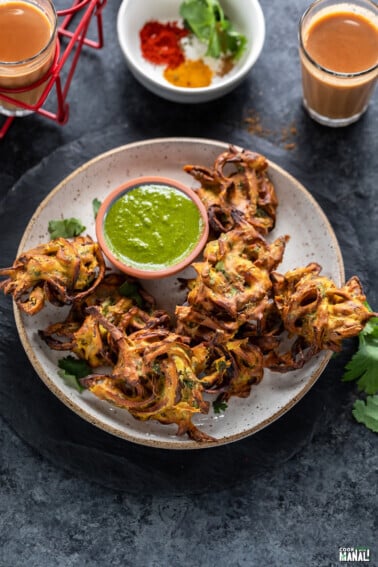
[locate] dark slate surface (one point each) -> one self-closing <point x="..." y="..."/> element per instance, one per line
<point x="291" y="495"/>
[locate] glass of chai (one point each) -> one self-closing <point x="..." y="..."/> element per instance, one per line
<point x="28" y="42"/>
<point x="338" y="47"/>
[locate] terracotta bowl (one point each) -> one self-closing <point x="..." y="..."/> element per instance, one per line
<point x="140" y="272"/>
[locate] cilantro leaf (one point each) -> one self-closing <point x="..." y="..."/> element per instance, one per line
<point x="131" y="290"/>
<point x="75" y="366"/>
<point x="199" y="17"/>
<point x="363" y="365"/>
<point x="70" y="380"/>
<point x="96" y="204"/>
<point x="219" y="406"/>
<point x="72" y="369"/>
<point x="65" y="228"/>
<point x="207" y="21"/>
<point x="367" y="413"/>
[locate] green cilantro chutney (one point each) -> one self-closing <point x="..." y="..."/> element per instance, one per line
<point x="152" y="227"/>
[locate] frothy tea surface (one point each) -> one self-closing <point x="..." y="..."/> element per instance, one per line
<point x="344" y="42"/>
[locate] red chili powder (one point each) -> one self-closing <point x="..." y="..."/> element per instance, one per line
<point x="160" y="43"/>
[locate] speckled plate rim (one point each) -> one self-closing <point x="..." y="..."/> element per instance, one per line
<point x="184" y="444"/>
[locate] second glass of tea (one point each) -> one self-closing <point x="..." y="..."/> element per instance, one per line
<point x="338" y="44"/>
<point x="28" y="42"/>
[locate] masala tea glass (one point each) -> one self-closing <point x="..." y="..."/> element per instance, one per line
<point x="28" y="43"/>
<point x="338" y="48"/>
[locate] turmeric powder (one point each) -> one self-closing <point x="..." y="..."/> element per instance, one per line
<point x="191" y="74"/>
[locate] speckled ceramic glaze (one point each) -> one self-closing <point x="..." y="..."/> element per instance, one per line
<point x="311" y="239"/>
<point x="133" y="14"/>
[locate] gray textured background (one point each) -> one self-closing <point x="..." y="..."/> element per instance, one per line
<point x="291" y="495"/>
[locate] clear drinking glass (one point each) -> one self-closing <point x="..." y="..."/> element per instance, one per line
<point x="24" y="73"/>
<point x="338" y="96"/>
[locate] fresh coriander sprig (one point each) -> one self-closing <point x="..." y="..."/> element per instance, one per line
<point x="65" y="228"/>
<point x="72" y="370"/>
<point x="96" y="204"/>
<point x="363" y="367"/>
<point x="131" y="290"/>
<point x="207" y="21"/>
<point x="219" y="406"/>
<point x="367" y="413"/>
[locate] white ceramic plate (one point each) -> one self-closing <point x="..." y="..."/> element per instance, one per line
<point x="312" y="239"/>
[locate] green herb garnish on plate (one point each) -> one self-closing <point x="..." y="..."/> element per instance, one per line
<point x="65" y="228"/>
<point x="96" y="204"/>
<point x="72" y="369"/>
<point x="131" y="290"/>
<point x="219" y="406"/>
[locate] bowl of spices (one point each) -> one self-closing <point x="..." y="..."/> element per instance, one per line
<point x="190" y="50"/>
<point x="152" y="227"/>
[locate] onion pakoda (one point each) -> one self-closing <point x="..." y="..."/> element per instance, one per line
<point x="229" y="369"/>
<point x="246" y="191"/>
<point x="81" y="332"/>
<point x="232" y="286"/>
<point x="153" y="378"/>
<point x="317" y="313"/>
<point x="59" y="272"/>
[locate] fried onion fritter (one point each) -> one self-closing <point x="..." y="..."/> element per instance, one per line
<point x="230" y="369"/>
<point x="312" y="307"/>
<point x="245" y="190"/>
<point x="81" y="332"/>
<point x="233" y="284"/>
<point x="153" y="378"/>
<point x="59" y="272"/>
<point x="317" y="313"/>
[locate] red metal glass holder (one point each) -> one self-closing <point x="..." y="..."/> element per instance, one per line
<point x="75" y="37"/>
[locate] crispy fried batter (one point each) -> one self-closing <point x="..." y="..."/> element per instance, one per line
<point x="59" y="271"/>
<point x="317" y="313"/>
<point x="245" y="190"/>
<point x="312" y="307"/>
<point x="231" y="368"/>
<point x="83" y="335"/>
<point x="233" y="284"/>
<point x="153" y="378"/>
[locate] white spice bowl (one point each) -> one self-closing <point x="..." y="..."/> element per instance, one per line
<point x="246" y="16"/>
